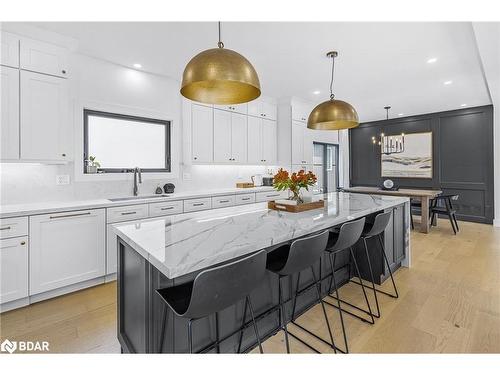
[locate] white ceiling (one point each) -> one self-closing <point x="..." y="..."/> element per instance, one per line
<point x="379" y="63"/>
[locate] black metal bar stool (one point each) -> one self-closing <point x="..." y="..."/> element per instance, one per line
<point x="294" y="259"/>
<point x="210" y="292"/>
<point x="371" y="231"/>
<point x="347" y="236"/>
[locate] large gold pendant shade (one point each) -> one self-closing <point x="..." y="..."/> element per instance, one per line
<point x="220" y="76"/>
<point x="333" y="114"/>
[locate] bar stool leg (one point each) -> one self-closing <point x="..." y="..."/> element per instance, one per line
<point x="295" y="297"/>
<point x="190" y="335"/>
<point x="282" y="314"/>
<point x="362" y="285"/>
<point x="242" y="326"/>
<point x="372" y="278"/>
<point x="382" y="249"/>
<point x="332" y="264"/>
<point x="256" y="330"/>
<point x="163" y="327"/>
<point x="318" y="290"/>
<point x="217" y="331"/>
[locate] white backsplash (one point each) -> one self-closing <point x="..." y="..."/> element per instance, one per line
<point x="26" y="183"/>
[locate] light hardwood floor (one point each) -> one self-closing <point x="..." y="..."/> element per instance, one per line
<point x="449" y="303"/>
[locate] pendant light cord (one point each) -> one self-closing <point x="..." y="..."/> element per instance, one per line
<point x="220" y="44"/>
<point x="331" y="81"/>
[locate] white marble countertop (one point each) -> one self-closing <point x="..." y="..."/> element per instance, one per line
<point x="38" y="208"/>
<point x="180" y="244"/>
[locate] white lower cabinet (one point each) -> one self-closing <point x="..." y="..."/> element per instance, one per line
<point x="66" y="248"/>
<point x="13" y="269"/>
<point x="270" y="196"/>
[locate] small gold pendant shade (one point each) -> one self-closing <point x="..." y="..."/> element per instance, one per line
<point x="333" y="114"/>
<point x="220" y="76"/>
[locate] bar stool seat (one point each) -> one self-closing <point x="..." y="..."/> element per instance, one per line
<point x="210" y="292"/>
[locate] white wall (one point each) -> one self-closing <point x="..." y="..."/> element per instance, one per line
<point x="488" y="42"/>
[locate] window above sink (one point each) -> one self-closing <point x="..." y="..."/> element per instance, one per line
<point x="120" y="143"/>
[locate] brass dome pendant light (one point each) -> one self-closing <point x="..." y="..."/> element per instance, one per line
<point x="220" y="76"/>
<point x="333" y="114"/>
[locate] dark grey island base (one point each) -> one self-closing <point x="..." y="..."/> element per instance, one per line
<point x="140" y="309"/>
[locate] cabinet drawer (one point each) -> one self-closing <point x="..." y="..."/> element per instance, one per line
<point x="14" y="227"/>
<point x="14" y="269"/>
<point x="125" y="213"/>
<point x="165" y="208"/>
<point x="223" y="201"/>
<point x="270" y="196"/>
<point x="43" y="57"/>
<point x="244" y="198"/>
<point x="191" y="205"/>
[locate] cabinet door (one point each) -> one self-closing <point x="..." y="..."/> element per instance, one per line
<point x="269" y="110"/>
<point x="10" y="113"/>
<point x="238" y="108"/>
<point x="111" y="250"/>
<point x="43" y="58"/>
<point x="239" y="138"/>
<point x="300" y="112"/>
<point x="44" y="117"/>
<point x="10" y="50"/>
<point x="14" y="269"/>
<point x="254" y="108"/>
<point x="255" y="140"/>
<point x="66" y="248"/>
<point x="307" y="147"/>
<point x="222" y="136"/>
<point x="202" y="128"/>
<point x="269" y="141"/>
<point x="297" y="142"/>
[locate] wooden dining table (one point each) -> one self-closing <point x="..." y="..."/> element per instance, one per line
<point x="423" y="195"/>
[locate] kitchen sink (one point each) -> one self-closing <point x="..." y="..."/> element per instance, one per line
<point x="138" y="198"/>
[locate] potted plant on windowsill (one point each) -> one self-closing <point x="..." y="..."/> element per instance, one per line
<point x="294" y="183"/>
<point x="92" y="165"/>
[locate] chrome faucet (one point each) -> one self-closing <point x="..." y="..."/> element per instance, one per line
<point x="137" y="172"/>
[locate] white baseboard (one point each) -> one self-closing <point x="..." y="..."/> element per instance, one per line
<point x="66" y="289"/>
<point x="7" y="306"/>
<point x="496" y="223"/>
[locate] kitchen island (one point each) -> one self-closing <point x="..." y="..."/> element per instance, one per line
<point x="171" y="250"/>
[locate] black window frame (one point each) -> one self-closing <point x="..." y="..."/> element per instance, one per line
<point x="166" y="123"/>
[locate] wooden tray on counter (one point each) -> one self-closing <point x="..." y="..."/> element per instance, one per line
<point x="295" y="207"/>
<point x="245" y="185"/>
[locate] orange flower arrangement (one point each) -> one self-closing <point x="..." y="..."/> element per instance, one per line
<point x="302" y="179"/>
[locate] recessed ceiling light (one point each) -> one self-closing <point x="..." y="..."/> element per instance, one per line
<point x="316" y="92"/>
<point x="463" y="105"/>
<point x="448" y="82"/>
<point x="138" y="66"/>
<point x="400" y="114"/>
<point x="432" y="60"/>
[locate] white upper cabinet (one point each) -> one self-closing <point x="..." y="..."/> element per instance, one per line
<point x="222" y="136"/>
<point x="44" y="117"/>
<point x="300" y="111"/>
<point x="239" y="140"/>
<point x="66" y="248"/>
<point x="302" y="144"/>
<point x="262" y="135"/>
<point x="10" y="50"/>
<point x="9" y="146"/>
<point x="202" y="132"/>
<point x="255" y="140"/>
<point x="230" y="137"/>
<point x="43" y="57"/>
<point x="238" y="108"/>
<point x="262" y="108"/>
<point x="269" y="141"/>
